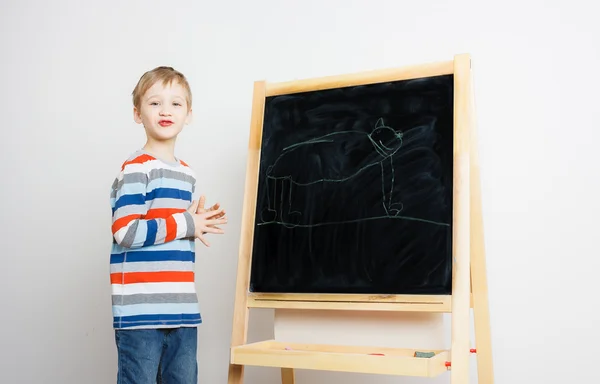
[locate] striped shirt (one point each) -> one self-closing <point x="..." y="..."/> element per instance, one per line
<point x="152" y="262"/>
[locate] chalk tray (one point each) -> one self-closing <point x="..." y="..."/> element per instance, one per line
<point x="341" y="358"/>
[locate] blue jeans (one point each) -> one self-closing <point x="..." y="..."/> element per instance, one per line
<point x="151" y="356"/>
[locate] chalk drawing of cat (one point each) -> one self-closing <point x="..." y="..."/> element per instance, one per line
<point x="322" y="159"/>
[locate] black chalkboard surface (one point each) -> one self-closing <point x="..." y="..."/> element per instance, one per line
<point x="355" y="190"/>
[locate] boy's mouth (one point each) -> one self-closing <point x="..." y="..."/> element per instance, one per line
<point x="165" y="123"/>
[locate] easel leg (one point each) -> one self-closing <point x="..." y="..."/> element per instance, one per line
<point x="240" y="311"/>
<point x="461" y="282"/>
<point x="481" y="314"/>
<point x="287" y="376"/>
<point x="236" y="374"/>
<point x="483" y="337"/>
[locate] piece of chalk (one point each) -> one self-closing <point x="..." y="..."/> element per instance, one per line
<point x="376" y="354"/>
<point x="288" y="348"/>
<point x="424" y="354"/>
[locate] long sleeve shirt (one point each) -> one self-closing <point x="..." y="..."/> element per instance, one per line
<point x="152" y="261"/>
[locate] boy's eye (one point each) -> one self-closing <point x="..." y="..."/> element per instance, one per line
<point x="178" y="104"/>
<point x="154" y="103"/>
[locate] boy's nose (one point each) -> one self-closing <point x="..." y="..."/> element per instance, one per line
<point x="164" y="112"/>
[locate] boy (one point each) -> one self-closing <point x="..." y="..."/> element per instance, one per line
<point x="154" y="226"/>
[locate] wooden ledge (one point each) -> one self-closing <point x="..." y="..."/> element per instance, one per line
<point x="358" y="359"/>
<point x="352" y="302"/>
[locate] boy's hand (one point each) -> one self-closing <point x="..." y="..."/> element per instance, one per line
<point x="201" y="208"/>
<point x="206" y="221"/>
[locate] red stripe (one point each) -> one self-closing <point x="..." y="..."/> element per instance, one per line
<point x="183" y="163"/>
<point x="138" y="160"/>
<point x="123" y="221"/>
<point x="151" y="277"/>
<point x="171" y="229"/>
<point x="162" y="213"/>
<point x="157" y="213"/>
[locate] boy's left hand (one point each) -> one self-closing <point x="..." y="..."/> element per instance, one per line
<point x="201" y="208"/>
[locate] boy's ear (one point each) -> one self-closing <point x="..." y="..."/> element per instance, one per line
<point x="189" y="117"/>
<point x="136" y="116"/>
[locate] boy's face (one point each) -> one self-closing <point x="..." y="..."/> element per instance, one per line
<point x="163" y="111"/>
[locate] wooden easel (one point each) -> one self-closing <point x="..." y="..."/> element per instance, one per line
<point x="469" y="281"/>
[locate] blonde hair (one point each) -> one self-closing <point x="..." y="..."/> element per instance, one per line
<point x="164" y="74"/>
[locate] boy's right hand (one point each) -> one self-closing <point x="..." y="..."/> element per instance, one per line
<point x="206" y="222"/>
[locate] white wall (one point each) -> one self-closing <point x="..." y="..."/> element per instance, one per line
<point x="67" y="70"/>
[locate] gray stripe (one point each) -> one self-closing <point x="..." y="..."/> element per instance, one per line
<point x="161" y="173"/>
<point x="130" y="235"/>
<point x="140" y="177"/>
<point x="130" y="210"/>
<point x="191" y="228"/>
<point x="167" y="202"/>
<point x="152" y="266"/>
<point x="129" y="178"/>
<point x="154" y="298"/>
<point x="161" y="230"/>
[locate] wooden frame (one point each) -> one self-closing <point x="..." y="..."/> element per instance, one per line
<point x="469" y="282"/>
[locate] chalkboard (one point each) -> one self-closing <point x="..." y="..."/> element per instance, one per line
<point x="355" y="190"/>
